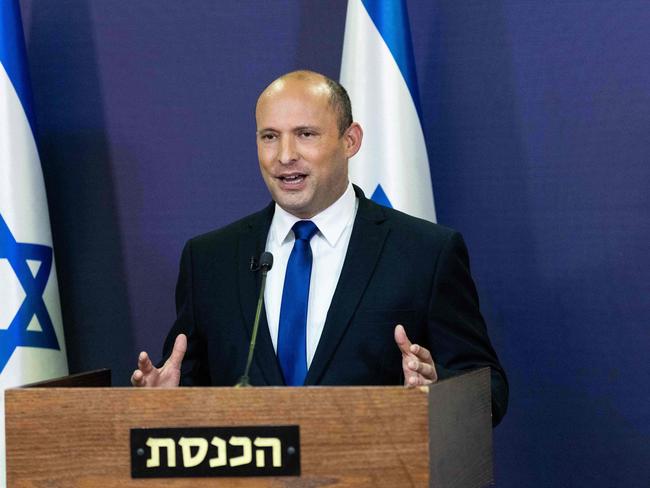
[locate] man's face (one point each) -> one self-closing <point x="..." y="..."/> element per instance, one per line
<point x="304" y="161"/>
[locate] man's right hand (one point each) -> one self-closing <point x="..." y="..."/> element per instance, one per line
<point x="166" y="377"/>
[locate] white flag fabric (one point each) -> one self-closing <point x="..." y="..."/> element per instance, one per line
<point x="378" y="71"/>
<point x="32" y="344"/>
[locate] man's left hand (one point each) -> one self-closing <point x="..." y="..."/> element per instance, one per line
<point x="417" y="362"/>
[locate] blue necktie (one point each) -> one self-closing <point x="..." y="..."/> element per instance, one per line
<point x="292" y="336"/>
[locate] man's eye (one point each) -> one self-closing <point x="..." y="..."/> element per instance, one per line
<point x="307" y="134"/>
<point x="268" y="137"/>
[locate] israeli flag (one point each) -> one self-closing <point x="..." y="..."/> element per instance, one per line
<point x="32" y="344"/>
<point x="378" y="71"/>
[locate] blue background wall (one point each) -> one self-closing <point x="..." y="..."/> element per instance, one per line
<point x="537" y="120"/>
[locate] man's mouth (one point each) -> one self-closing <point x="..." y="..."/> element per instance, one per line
<point x="292" y="179"/>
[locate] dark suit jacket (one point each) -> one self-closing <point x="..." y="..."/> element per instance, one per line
<point x="398" y="269"/>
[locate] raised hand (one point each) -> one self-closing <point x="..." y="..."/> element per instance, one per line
<point x="169" y="375"/>
<point x="417" y="362"/>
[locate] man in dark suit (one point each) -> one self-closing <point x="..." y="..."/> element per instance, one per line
<point x="367" y="296"/>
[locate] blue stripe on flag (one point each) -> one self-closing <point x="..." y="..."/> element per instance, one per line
<point x="391" y="19"/>
<point x="13" y="56"/>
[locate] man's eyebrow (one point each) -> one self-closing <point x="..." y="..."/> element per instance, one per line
<point x="295" y="129"/>
<point x="265" y="129"/>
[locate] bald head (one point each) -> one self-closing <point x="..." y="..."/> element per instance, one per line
<point x="304" y="143"/>
<point x="318" y="84"/>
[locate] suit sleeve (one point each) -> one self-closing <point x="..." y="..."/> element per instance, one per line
<point x="194" y="370"/>
<point x="458" y="334"/>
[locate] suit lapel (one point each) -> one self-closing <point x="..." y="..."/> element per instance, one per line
<point x="252" y="241"/>
<point x="364" y="249"/>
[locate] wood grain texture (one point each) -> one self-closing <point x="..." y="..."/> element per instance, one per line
<point x="353" y="437"/>
<point x="350" y="436"/>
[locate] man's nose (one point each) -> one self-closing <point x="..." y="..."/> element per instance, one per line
<point x="288" y="150"/>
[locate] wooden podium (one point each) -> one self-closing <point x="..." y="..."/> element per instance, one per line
<point x="438" y="436"/>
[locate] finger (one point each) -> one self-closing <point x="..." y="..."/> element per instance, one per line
<point x="144" y="363"/>
<point x="137" y="378"/>
<point x="404" y="345"/>
<point x="410" y="375"/>
<point x="419" y="380"/>
<point x="412" y="380"/>
<point x="178" y="352"/>
<point x="426" y="366"/>
<point x="426" y="370"/>
<point x="422" y="353"/>
<point x="402" y="340"/>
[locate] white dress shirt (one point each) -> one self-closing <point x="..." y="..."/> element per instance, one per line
<point x="328" y="247"/>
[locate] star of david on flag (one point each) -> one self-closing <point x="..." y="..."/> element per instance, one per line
<point x="31" y="330"/>
<point x="378" y="71"/>
<point x="31" y="264"/>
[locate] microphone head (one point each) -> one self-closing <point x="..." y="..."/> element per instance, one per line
<point x="266" y="261"/>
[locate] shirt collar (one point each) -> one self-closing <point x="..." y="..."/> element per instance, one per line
<point x="331" y="222"/>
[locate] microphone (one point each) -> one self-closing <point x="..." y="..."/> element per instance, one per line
<point x="265" y="261"/>
<point x="265" y="264"/>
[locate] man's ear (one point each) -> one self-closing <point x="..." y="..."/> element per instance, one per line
<point x="353" y="136"/>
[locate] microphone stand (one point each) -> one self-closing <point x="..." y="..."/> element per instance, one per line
<point x="266" y="261"/>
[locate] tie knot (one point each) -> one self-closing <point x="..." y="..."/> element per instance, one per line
<point x="304" y="230"/>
